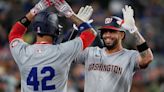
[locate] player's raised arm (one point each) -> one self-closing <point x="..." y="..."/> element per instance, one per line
<point x="88" y="33"/>
<point x="19" y="28"/>
<point x="146" y="55"/>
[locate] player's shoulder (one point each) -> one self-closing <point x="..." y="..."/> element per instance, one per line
<point x="93" y="48"/>
<point x="17" y="42"/>
<point x="71" y="42"/>
<point x="130" y="51"/>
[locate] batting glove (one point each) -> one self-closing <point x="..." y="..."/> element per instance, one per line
<point x="63" y="7"/>
<point x="129" y="22"/>
<point x="85" y="15"/>
<point x="40" y="6"/>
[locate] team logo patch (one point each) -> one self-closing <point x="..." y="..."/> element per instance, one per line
<point x="38" y="30"/>
<point x="14" y="43"/>
<point x="97" y="52"/>
<point x="108" y="20"/>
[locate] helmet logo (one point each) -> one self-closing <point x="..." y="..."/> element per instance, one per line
<point x="108" y="20"/>
<point x="38" y="30"/>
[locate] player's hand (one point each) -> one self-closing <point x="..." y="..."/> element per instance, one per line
<point x="63" y="7"/>
<point x="129" y="22"/>
<point x="40" y="6"/>
<point x="85" y="14"/>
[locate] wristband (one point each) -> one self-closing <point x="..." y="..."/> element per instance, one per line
<point x="24" y="21"/>
<point x="142" y="47"/>
<point x="84" y="26"/>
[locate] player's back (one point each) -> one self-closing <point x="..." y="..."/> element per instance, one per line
<point x="44" y="67"/>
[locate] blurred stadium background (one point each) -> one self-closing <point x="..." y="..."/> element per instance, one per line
<point x="149" y="16"/>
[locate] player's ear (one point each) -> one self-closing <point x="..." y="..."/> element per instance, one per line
<point x="122" y="35"/>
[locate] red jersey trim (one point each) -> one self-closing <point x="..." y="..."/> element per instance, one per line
<point x="43" y="43"/>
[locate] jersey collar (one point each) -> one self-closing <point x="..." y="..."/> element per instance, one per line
<point x="43" y="43"/>
<point x="105" y="53"/>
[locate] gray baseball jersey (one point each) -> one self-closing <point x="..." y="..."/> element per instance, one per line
<point x="108" y="72"/>
<point x="44" y="67"/>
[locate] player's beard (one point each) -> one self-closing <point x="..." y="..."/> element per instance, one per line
<point x="112" y="45"/>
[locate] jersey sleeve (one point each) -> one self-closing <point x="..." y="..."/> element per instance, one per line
<point x="71" y="48"/>
<point x="17" y="45"/>
<point x="82" y="56"/>
<point x="134" y="62"/>
<point x="18" y="50"/>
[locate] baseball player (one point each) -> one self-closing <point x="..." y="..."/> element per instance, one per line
<point x="111" y="68"/>
<point x="44" y="67"/>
